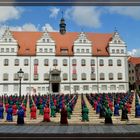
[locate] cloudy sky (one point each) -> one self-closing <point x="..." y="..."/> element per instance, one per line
<point x="89" y="19"/>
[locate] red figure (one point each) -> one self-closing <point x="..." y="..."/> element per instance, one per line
<point x="33" y="112"/>
<point x="6" y="107"/>
<point x="47" y="114"/>
<point x="14" y="107"/>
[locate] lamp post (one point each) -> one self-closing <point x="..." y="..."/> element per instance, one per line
<point x="20" y="76"/>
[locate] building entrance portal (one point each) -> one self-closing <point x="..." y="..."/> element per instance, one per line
<point x="55" y="87"/>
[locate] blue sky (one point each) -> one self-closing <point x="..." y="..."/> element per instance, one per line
<point x="89" y="19"/>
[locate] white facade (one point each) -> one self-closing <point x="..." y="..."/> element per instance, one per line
<point x="105" y="78"/>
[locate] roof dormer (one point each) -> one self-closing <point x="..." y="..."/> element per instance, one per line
<point x="45" y="38"/>
<point x="82" y="39"/>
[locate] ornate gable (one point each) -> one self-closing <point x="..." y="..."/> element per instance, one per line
<point x="82" y="38"/>
<point x="116" y="39"/>
<point x="7" y="37"/>
<point x="45" y="38"/>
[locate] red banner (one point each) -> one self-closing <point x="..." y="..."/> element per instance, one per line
<point x="35" y="70"/>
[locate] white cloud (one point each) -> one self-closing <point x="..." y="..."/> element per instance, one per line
<point x="9" y="13"/>
<point x="29" y="27"/>
<point x="84" y="16"/>
<point x="134" y="52"/>
<point x="49" y="28"/>
<point x="132" y="11"/>
<point x="54" y="12"/>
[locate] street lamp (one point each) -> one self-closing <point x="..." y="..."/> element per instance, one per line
<point x="20" y="76"/>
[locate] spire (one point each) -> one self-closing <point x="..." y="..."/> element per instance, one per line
<point x="62" y="25"/>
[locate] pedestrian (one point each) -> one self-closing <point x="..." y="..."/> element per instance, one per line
<point x="20" y="116"/>
<point x="116" y="110"/>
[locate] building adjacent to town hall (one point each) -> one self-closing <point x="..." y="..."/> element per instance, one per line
<point x="64" y="62"/>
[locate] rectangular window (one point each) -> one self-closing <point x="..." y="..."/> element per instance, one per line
<point x="45" y="50"/>
<point x="40" y="50"/>
<point x="85" y="87"/>
<point x="94" y="87"/>
<point x="26" y="76"/>
<point x="64" y="51"/>
<point x="112" y="87"/>
<point x="39" y="88"/>
<point x="46" y="76"/>
<point x="76" y="88"/>
<point x="7" y="50"/>
<point x="16" y="77"/>
<point x="15" y="88"/>
<point x="5" y="77"/>
<point x="74" y="62"/>
<point x="104" y="87"/>
<point x="66" y="88"/>
<point x="43" y="88"/>
<point x="55" y="62"/>
<point x="12" y="50"/>
<point x="2" y="50"/>
<point x="51" y="50"/>
<point x="121" y="87"/>
<point x="5" y="88"/>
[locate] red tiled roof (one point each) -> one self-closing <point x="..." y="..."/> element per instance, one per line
<point x="134" y="60"/>
<point x="27" y="42"/>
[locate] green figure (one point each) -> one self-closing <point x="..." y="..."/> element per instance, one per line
<point x="53" y="111"/>
<point x="41" y="109"/>
<point x="69" y="112"/>
<point x="108" y="115"/>
<point x="121" y="105"/>
<point x="85" y="112"/>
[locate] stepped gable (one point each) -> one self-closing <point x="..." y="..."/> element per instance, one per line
<point x="27" y="42"/>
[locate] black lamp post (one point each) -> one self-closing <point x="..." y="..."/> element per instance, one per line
<point x="20" y="76"/>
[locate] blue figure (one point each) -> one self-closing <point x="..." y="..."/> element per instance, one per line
<point x="116" y="110"/>
<point x="98" y="108"/>
<point x="137" y="112"/>
<point x="20" y="116"/>
<point x="1" y="111"/>
<point x="9" y="117"/>
<point x="60" y="105"/>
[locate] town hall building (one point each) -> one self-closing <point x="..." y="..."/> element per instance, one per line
<point x="63" y="62"/>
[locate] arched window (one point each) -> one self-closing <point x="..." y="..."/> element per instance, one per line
<point x="74" y="62"/>
<point x="83" y="76"/>
<point x="101" y="62"/>
<point x="119" y="62"/>
<point x="46" y="62"/>
<point x="102" y="76"/>
<point x="92" y="62"/>
<point x="55" y="62"/>
<point x="65" y="76"/>
<point x="83" y="62"/>
<point x="6" y="62"/>
<point x="119" y="76"/>
<point x="122" y="50"/>
<point x="110" y="62"/>
<point x="93" y="76"/>
<point x="16" y="62"/>
<point x="64" y="62"/>
<point x="35" y="61"/>
<point x="110" y="76"/>
<point x="25" y="62"/>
